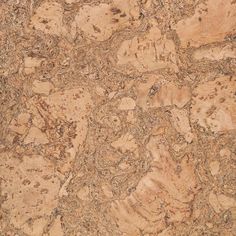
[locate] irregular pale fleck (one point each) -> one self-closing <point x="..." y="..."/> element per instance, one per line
<point x="20" y="124"/>
<point x="100" y="91"/>
<point x="23" y="118"/>
<point x="125" y="143"/>
<point x="56" y="229"/>
<point x="170" y="94"/>
<point x="221" y="202"/>
<point x="215" y="53"/>
<point x="42" y="87"/>
<point x="31" y="63"/>
<point x="107" y="191"/>
<point x="148" y="52"/>
<point x="214" y="167"/>
<point x="180" y="120"/>
<point x="214" y="104"/>
<point x="83" y="193"/>
<point x="48" y="18"/>
<point x="101" y="21"/>
<point x="71" y="104"/>
<point x="127" y="103"/>
<point x="209" y="225"/>
<point x="226" y="202"/>
<point x="165" y="94"/>
<point x="36" y="136"/>
<point x="36" y="227"/>
<point x="63" y="189"/>
<point x="225" y="152"/>
<point x="71" y="1"/>
<point x="131" y="117"/>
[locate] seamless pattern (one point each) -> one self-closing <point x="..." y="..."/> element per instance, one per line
<point x="118" y="117"/>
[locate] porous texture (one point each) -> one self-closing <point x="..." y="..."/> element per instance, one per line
<point x="118" y="117"/>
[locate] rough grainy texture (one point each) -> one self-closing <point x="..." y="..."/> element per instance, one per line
<point x="118" y="117"/>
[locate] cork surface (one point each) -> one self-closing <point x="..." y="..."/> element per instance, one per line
<point x="118" y="117"/>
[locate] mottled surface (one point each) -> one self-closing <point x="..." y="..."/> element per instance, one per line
<point x="118" y="117"/>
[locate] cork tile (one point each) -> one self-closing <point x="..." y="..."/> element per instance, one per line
<point x="118" y="118"/>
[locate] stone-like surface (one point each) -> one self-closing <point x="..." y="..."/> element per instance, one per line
<point x="118" y="118"/>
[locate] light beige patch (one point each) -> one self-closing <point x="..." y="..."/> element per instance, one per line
<point x="180" y="120"/>
<point x="36" y="136"/>
<point x="156" y="93"/>
<point x="20" y="124"/>
<point x="83" y="193"/>
<point x="107" y="191"/>
<point x="63" y="189"/>
<point x="101" y="21"/>
<point x="221" y="202"/>
<point x="42" y="87"/>
<point x="127" y="103"/>
<point x="148" y="52"/>
<point x="214" y="105"/>
<point x="30" y="187"/>
<point x="31" y="63"/>
<point x="36" y="227"/>
<point x="48" y="18"/>
<point x="56" y="229"/>
<point x="125" y="143"/>
<point x="210" y="23"/>
<point x="215" y="53"/>
<point x="225" y="152"/>
<point x="214" y="167"/>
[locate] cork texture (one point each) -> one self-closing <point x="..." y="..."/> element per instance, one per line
<point x="118" y="117"/>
